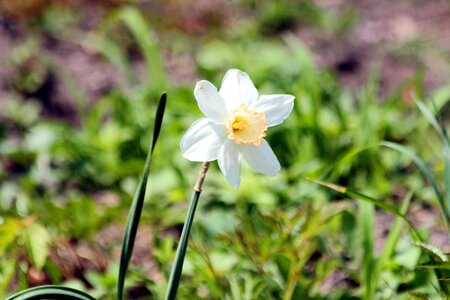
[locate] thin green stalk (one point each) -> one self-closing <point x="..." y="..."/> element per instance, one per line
<point x="367" y="215"/>
<point x="293" y="280"/>
<point x="177" y="268"/>
<point x="296" y="271"/>
<point x="389" y="246"/>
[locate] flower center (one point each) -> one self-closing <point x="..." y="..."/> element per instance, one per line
<point x="246" y="126"/>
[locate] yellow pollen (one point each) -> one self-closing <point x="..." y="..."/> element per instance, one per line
<point x="239" y="124"/>
<point x="246" y="126"/>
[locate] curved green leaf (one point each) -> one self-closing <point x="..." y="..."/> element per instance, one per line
<point x="428" y="115"/>
<point x="435" y="253"/>
<point x="361" y="197"/>
<point x="437" y="123"/>
<point x="426" y="172"/>
<point x="51" y="292"/>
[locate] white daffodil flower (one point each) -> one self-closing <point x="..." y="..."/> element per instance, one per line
<point x="235" y="126"/>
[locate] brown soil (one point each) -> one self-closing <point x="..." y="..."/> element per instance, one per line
<point x="390" y="34"/>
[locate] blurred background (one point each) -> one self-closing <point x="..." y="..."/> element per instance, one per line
<point x="79" y="85"/>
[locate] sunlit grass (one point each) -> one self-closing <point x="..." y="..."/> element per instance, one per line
<point x="280" y="237"/>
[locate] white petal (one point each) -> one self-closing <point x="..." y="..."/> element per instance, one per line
<point x="210" y="102"/>
<point x="202" y="141"/>
<point x="275" y="107"/>
<point x="237" y="88"/>
<point x="229" y="160"/>
<point x="261" y="158"/>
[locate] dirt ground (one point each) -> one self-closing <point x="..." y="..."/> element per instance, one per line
<point x="400" y="36"/>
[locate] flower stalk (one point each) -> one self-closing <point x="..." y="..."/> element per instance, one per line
<point x="177" y="268"/>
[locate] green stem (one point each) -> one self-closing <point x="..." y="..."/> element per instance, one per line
<point x="177" y="267"/>
<point x="293" y="280"/>
<point x="295" y="272"/>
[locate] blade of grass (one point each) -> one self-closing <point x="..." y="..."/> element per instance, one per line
<point x="361" y="197"/>
<point x="437" y="123"/>
<point x="113" y="53"/>
<point x="385" y="206"/>
<point x="147" y="42"/>
<point x="303" y="58"/>
<point x="234" y="287"/>
<point x="389" y="244"/>
<point x="426" y="172"/>
<point x="366" y="216"/>
<point x="145" y="39"/>
<point x="446" y="141"/>
<point x="134" y="214"/>
<point x="365" y="137"/>
<point x="51" y="292"/>
<point x="428" y="114"/>
<point x="437" y="255"/>
<point x="447" y="173"/>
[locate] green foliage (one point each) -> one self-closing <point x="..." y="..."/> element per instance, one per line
<point x="37" y="241"/>
<point x="279" y="254"/>
<point x="275" y="238"/>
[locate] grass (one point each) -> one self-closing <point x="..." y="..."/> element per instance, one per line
<point x="281" y="237"/>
